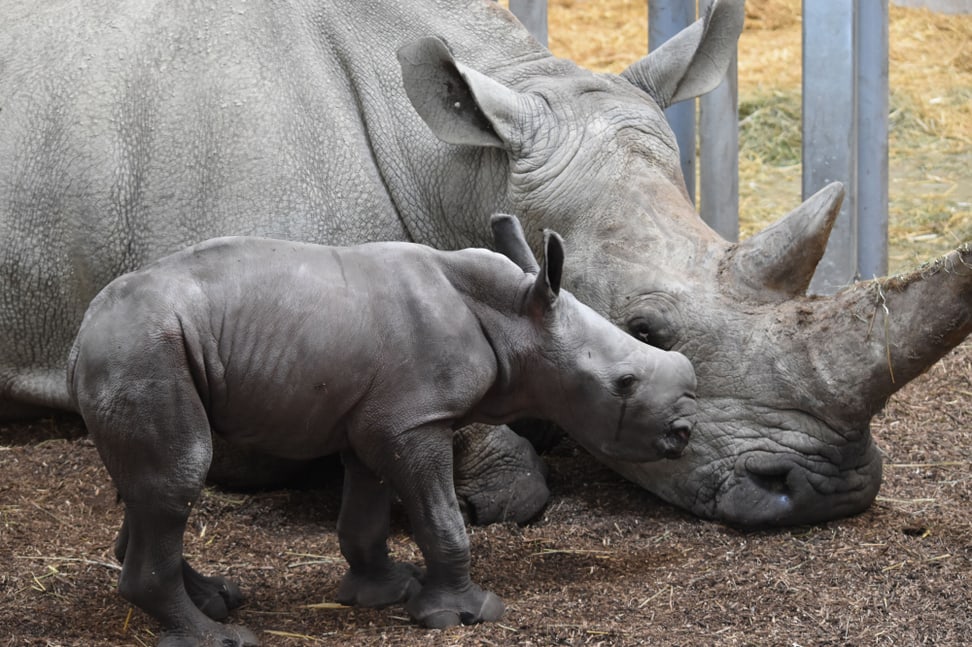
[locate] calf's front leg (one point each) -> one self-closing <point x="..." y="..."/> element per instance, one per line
<point x="373" y="579"/>
<point x="419" y="466"/>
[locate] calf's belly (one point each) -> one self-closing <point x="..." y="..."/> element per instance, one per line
<point x="283" y="425"/>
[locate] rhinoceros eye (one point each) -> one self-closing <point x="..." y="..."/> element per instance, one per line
<point x="651" y="333"/>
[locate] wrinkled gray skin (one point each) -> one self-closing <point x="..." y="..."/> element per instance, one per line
<point x="127" y="133"/>
<point x="272" y="344"/>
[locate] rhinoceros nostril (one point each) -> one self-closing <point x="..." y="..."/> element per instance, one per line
<point x="681" y="430"/>
<point x="773" y="483"/>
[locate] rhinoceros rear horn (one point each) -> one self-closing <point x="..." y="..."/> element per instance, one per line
<point x="510" y="241"/>
<point x="779" y="261"/>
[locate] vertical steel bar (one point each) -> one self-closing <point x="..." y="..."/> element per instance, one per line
<point x="719" y="152"/>
<point x="830" y="129"/>
<point x="665" y="19"/>
<point x="533" y="15"/>
<point x="872" y="138"/>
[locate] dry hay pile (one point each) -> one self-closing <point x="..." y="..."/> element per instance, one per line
<point x="930" y="141"/>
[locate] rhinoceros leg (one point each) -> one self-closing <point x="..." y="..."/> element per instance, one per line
<point x="158" y="463"/>
<point x="154" y="577"/>
<point x="498" y="475"/>
<point x="418" y="462"/>
<point x="215" y="596"/>
<point x="373" y="579"/>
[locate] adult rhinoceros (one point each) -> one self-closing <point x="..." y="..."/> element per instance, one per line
<point x="128" y="130"/>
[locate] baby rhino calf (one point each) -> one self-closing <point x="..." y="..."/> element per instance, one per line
<point x="379" y="352"/>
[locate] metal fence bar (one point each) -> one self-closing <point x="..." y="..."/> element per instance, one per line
<point x="872" y="138"/>
<point x="533" y="15"/>
<point x="830" y="129"/>
<point x="719" y="152"/>
<point x="665" y="19"/>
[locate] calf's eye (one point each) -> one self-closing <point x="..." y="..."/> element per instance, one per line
<point x="625" y="384"/>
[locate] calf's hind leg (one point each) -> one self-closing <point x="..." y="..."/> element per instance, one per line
<point x="215" y="596"/>
<point x="158" y="456"/>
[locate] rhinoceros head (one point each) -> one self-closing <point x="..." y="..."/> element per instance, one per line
<point x="617" y="397"/>
<point x="787" y="383"/>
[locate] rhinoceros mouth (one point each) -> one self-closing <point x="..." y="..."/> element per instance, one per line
<point x="785" y="490"/>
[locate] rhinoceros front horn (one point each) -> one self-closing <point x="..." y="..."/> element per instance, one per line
<point x="873" y="337"/>
<point x="778" y="263"/>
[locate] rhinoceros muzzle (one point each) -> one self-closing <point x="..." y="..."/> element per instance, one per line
<point x="676" y="439"/>
<point x="769" y="489"/>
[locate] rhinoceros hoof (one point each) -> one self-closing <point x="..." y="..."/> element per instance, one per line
<point x="437" y="609"/>
<point x="399" y="584"/>
<point x="214" y="596"/>
<point x="523" y="501"/>
<point x="498" y="476"/>
<point x="216" y="635"/>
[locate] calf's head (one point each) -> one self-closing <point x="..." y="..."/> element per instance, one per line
<point x="619" y="398"/>
<point x="787" y="383"/>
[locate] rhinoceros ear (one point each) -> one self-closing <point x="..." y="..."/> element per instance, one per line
<point x="510" y="241"/>
<point x="547" y="287"/>
<point x="459" y="104"/>
<point x="694" y="60"/>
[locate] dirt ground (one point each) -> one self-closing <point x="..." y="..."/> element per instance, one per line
<point x="606" y="564"/>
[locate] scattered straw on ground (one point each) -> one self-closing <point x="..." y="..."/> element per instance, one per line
<point x="607" y="564"/>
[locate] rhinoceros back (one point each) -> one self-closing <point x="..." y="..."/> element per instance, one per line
<point x="130" y="130"/>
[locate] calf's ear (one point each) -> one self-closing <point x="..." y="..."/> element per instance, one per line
<point x="547" y="287"/>
<point x="510" y="242"/>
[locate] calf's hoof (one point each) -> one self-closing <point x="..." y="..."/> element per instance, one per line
<point x="215" y="596"/>
<point x="441" y="609"/>
<point x="400" y="583"/>
<point x="217" y="635"/>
